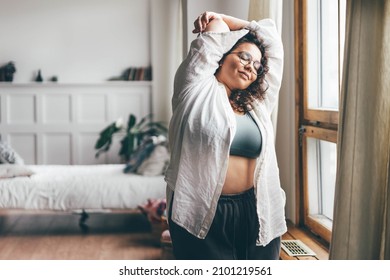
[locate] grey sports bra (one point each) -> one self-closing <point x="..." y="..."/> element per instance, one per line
<point x="247" y="140"/>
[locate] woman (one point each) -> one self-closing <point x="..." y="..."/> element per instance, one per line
<point x="223" y="190"/>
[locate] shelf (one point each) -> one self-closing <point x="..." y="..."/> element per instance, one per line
<point x="52" y="84"/>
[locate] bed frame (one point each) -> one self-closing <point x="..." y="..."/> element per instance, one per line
<point x="80" y="189"/>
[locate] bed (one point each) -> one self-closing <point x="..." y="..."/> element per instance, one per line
<point x="79" y="188"/>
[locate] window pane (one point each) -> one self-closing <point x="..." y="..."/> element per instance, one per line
<point x="321" y="164"/>
<point x="323" y="54"/>
<point x="342" y="13"/>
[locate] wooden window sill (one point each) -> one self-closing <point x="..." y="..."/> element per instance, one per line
<point x="294" y="233"/>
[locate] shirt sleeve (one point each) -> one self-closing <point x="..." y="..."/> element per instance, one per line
<point x="203" y="57"/>
<point x="266" y="30"/>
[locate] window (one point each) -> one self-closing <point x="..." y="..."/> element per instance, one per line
<point x="319" y="36"/>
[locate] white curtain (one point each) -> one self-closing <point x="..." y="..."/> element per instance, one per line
<point x="361" y="226"/>
<point x="260" y="9"/>
<point x="166" y="50"/>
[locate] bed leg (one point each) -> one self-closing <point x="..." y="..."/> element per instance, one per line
<point x="82" y="222"/>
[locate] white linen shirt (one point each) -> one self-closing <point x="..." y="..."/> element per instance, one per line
<point x="202" y="128"/>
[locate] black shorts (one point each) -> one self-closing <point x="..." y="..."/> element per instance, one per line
<point x="232" y="235"/>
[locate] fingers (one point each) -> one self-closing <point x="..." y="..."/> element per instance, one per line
<point x="199" y="24"/>
<point x="202" y="21"/>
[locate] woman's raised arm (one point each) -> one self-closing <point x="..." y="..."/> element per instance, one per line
<point x="210" y="21"/>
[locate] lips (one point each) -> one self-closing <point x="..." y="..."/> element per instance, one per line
<point x="244" y="74"/>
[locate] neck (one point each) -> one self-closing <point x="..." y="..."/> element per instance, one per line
<point x="228" y="90"/>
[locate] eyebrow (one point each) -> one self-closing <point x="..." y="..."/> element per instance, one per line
<point x="250" y="55"/>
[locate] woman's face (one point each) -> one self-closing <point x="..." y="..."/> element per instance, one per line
<point x="238" y="70"/>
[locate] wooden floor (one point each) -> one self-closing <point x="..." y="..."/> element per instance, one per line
<point x="50" y="236"/>
<point x="110" y="236"/>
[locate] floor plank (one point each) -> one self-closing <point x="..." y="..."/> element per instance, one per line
<point x="110" y="236"/>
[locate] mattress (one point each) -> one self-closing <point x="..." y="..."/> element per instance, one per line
<point x="75" y="187"/>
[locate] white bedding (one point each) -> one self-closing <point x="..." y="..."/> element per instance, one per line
<point x="75" y="187"/>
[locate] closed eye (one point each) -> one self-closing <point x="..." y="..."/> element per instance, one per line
<point x="246" y="56"/>
<point x="248" y="59"/>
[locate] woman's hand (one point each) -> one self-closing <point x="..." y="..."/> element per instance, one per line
<point x="203" y="20"/>
<point x="222" y="23"/>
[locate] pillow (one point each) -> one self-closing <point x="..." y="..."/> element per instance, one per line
<point x="143" y="152"/>
<point x="156" y="163"/>
<point x="12" y="170"/>
<point x="8" y="155"/>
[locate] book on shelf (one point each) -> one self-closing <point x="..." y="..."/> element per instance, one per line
<point x="139" y="74"/>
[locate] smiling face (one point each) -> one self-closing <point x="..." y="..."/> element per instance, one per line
<point x="233" y="72"/>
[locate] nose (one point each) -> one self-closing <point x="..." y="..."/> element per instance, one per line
<point x="251" y="66"/>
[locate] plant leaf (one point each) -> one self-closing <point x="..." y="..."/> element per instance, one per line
<point x="106" y="135"/>
<point x="161" y="126"/>
<point x="127" y="146"/>
<point x="142" y="121"/>
<point x="131" y="122"/>
<point x="135" y="134"/>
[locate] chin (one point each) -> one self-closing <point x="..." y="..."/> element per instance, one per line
<point x="244" y="86"/>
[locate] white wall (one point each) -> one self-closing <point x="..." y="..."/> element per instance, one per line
<point x="230" y="7"/>
<point x="76" y="40"/>
<point x="166" y="35"/>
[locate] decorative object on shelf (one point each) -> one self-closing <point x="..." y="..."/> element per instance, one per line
<point x="135" y="74"/>
<point x="39" y="78"/>
<point x="54" y="79"/>
<point x="139" y="74"/>
<point x="139" y="139"/>
<point x="123" y="77"/>
<point x="7" y="72"/>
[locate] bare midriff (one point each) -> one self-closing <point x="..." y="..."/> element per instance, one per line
<point x="239" y="176"/>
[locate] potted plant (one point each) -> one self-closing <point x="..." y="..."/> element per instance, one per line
<point x="133" y="134"/>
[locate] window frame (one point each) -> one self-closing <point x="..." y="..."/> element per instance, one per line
<point x="318" y="133"/>
<point x="321" y="124"/>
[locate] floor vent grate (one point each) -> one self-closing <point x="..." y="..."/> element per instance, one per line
<point x="296" y="248"/>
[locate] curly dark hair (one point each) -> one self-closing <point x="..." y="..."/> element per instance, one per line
<point x="241" y="100"/>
